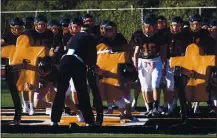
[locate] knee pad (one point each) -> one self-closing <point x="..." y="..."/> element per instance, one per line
<point x="121" y="103"/>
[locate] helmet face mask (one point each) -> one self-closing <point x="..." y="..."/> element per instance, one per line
<point x="109" y="32"/>
<point x="161" y="24"/>
<point x="16" y="30"/>
<point x="65" y="29"/>
<point x="75" y="28"/>
<point x="205" y="27"/>
<point x="195" y="26"/>
<point x="110" y="29"/>
<point x="213" y="31"/>
<point x="55" y="29"/>
<point x="148" y="29"/>
<point x="40" y="26"/>
<point x="88" y="21"/>
<point x="175" y="28"/>
<point x="102" y="30"/>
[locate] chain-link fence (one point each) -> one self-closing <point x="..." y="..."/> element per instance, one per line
<point x="128" y="19"/>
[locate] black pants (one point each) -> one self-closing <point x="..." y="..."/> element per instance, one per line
<point x="180" y="85"/>
<point x="97" y="101"/>
<point x="71" y="67"/>
<point x="11" y="78"/>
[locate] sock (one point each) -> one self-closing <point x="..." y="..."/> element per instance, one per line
<point x="150" y="105"/>
<point x="110" y="106"/>
<point x="147" y="107"/>
<point x="165" y="105"/>
<point x="174" y="101"/>
<point x="31" y="106"/>
<point x="156" y="104"/>
<point x="170" y="107"/>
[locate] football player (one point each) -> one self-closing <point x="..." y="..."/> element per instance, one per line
<point x="150" y="61"/>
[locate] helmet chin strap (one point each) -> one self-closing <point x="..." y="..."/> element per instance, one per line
<point x="40" y="31"/>
<point x="148" y="35"/>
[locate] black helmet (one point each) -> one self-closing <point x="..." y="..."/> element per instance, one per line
<point x="176" y="25"/>
<point x="128" y="71"/>
<point x="64" y="22"/>
<point x="104" y="22"/>
<point x="102" y="27"/>
<point x="213" y="23"/>
<point x="161" y="17"/>
<point x="76" y="21"/>
<point x="28" y="22"/>
<point x="53" y="23"/>
<point x="205" y="21"/>
<point x="186" y="24"/>
<point x="28" y="19"/>
<point x="110" y="24"/>
<point x="195" y="17"/>
<point x="45" y="66"/>
<point x="177" y="20"/>
<point x="41" y="18"/>
<point x="87" y="19"/>
<point x="110" y="29"/>
<point x="149" y="20"/>
<point x="16" y="21"/>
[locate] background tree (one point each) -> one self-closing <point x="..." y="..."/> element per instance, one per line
<point x="127" y="21"/>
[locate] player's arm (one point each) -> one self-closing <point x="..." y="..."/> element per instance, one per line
<point x="3" y="42"/>
<point x="135" y="57"/>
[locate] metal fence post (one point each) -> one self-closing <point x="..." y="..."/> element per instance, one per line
<point x="141" y="15"/>
<point x="199" y="10"/>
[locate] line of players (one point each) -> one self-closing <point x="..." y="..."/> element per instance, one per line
<point x="153" y="45"/>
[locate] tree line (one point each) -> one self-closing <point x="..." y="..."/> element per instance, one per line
<point x="127" y="21"/>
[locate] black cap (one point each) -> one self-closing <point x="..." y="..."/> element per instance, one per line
<point x="16" y="21"/>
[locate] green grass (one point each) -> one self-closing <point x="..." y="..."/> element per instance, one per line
<point x="6" y="101"/>
<point x="83" y="135"/>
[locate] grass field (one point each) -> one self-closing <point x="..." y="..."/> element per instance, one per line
<point x="7" y="102"/>
<point x="83" y="135"/>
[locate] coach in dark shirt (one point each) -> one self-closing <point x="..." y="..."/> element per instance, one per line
<point x="82" y="53"/>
